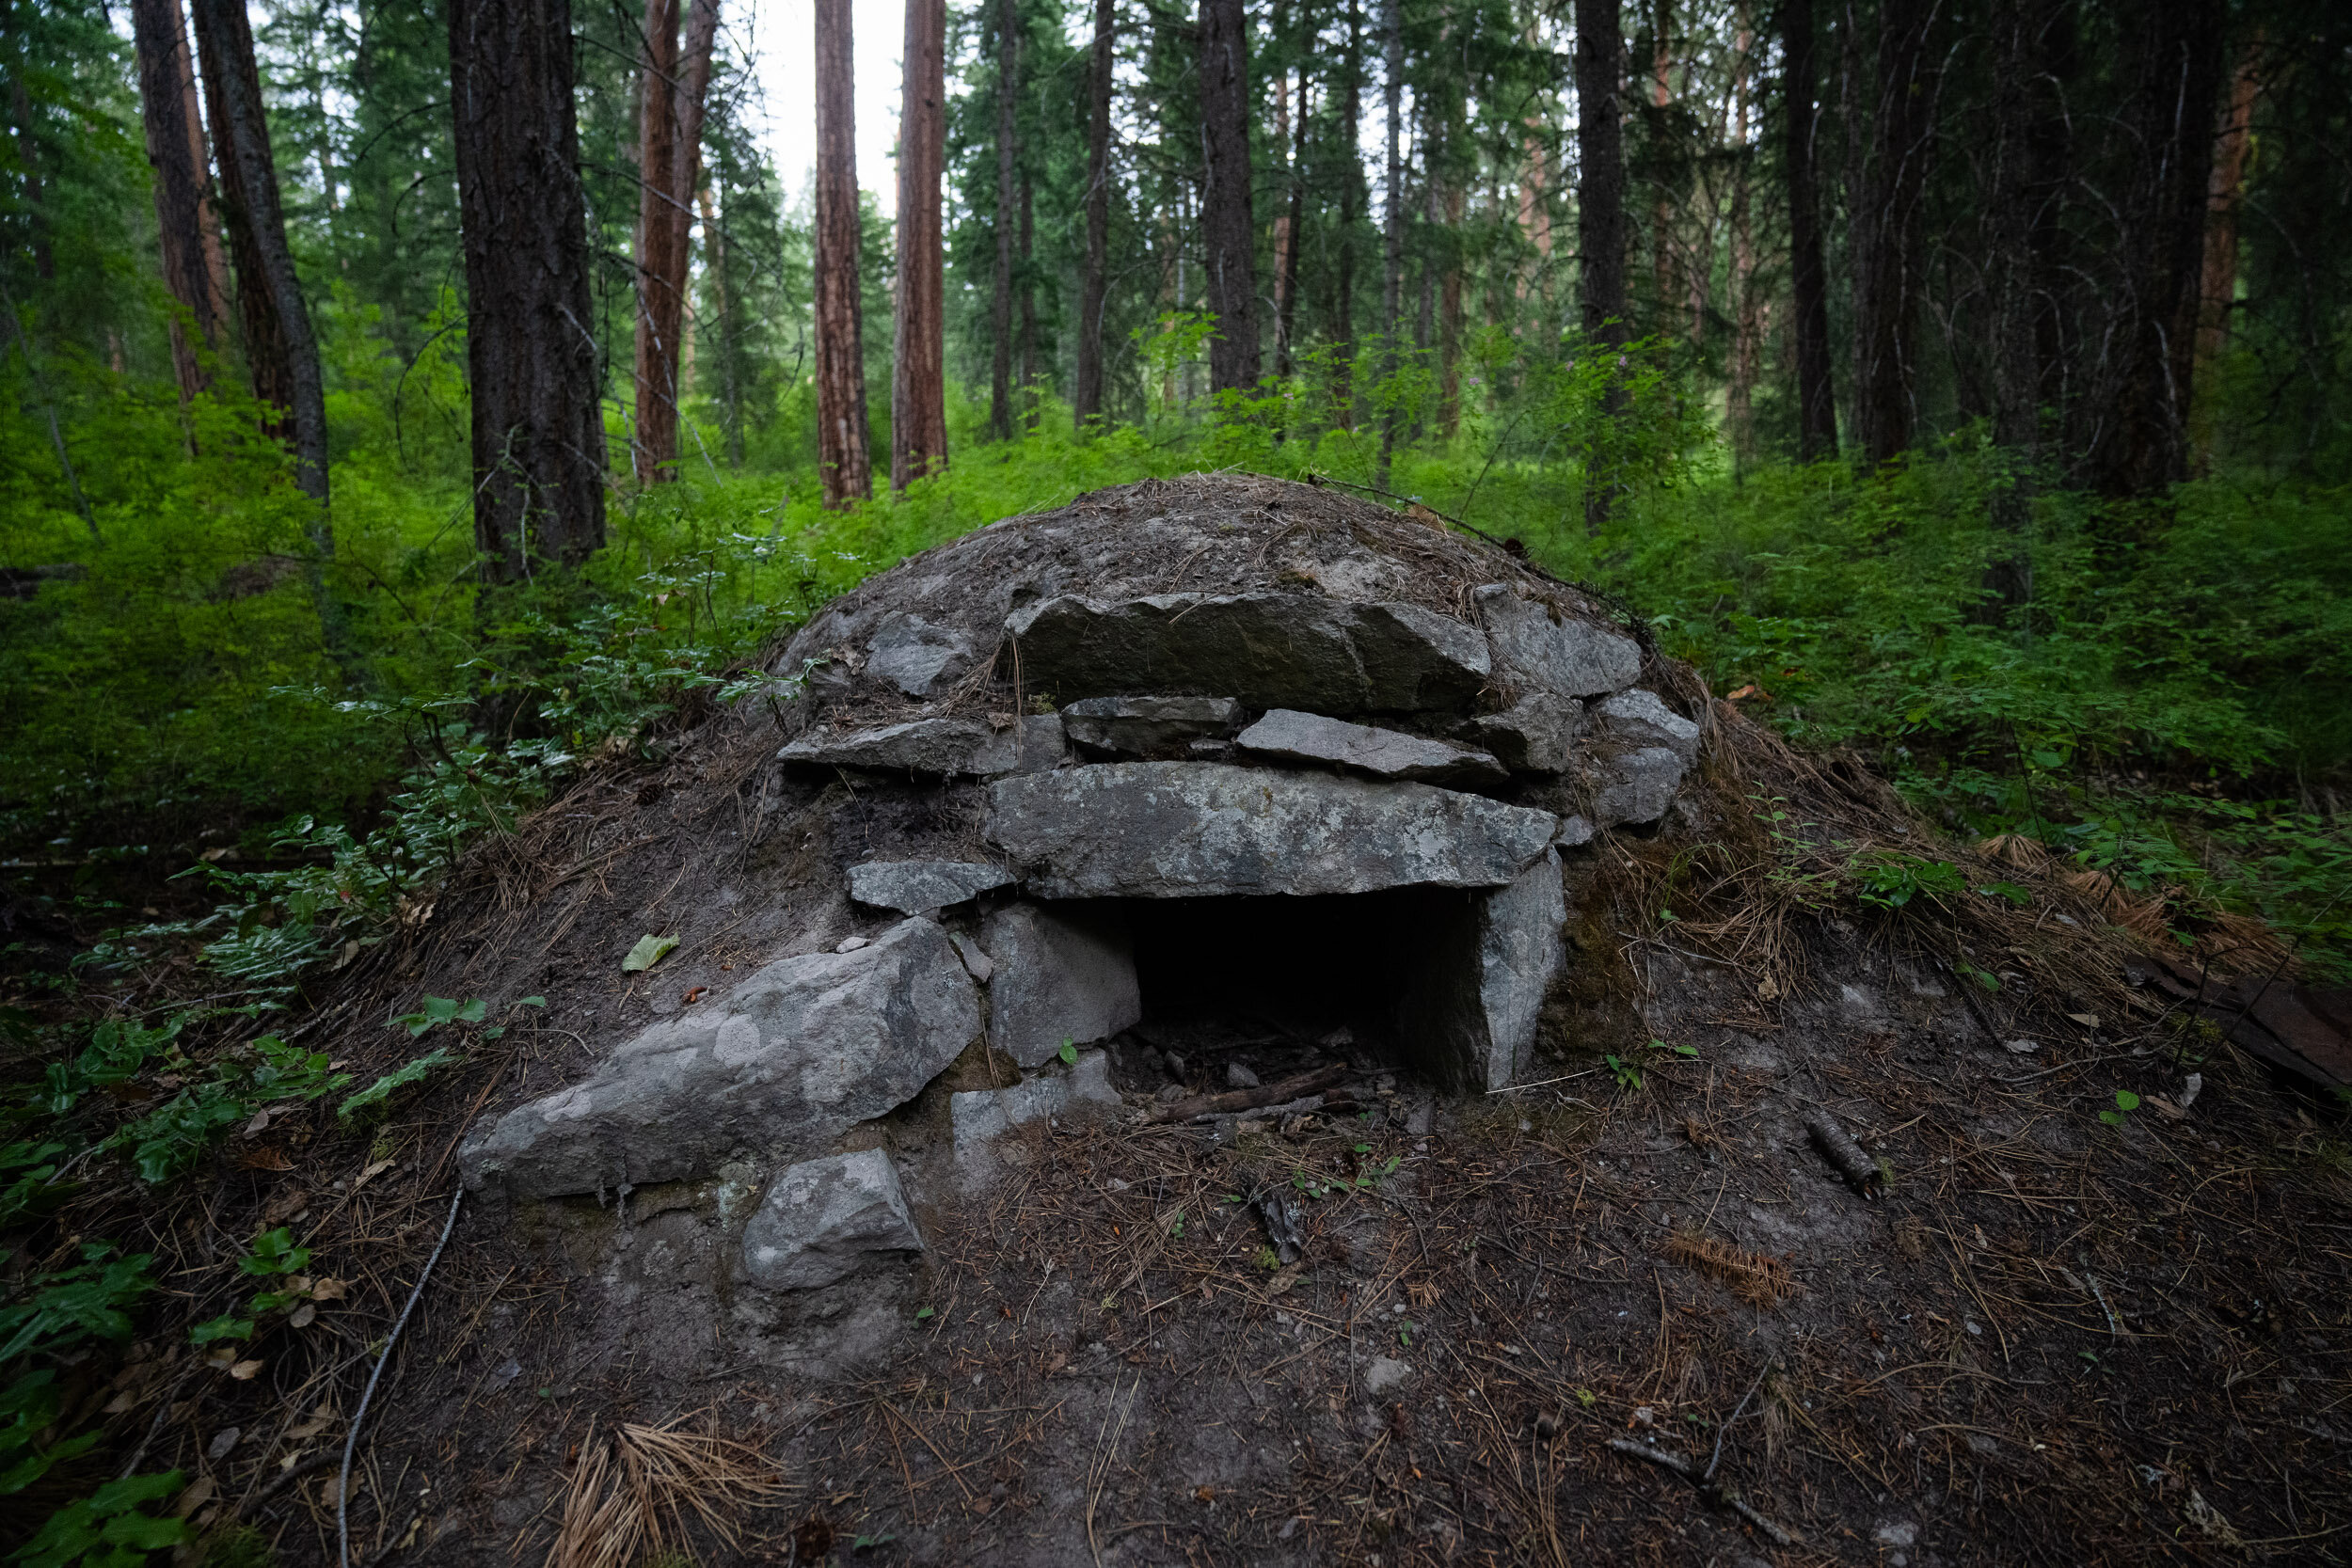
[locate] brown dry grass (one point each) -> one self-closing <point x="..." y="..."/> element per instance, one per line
<point x="637" y="1492"/>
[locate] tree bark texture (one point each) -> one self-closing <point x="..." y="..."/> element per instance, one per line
<point x="2224" y="191"/>
<point x="176" y="152"/>
<point x="1747" y="330"/>
<point x="1391" y="224"/>
<point x="1007" y="133"/>
<point x="843" y="439"/>
<point x="1600" y="211"/>
<point x="1889" y="263"/>
<point x="280" y="343"/>
<point x="2142" y="445"/>
<point x="538" y="424"/>
<point x="1286" y="263"/>
<point x="1228" y="231"/>
<point x="1343" y="312"/>
<point x="1808" y="275"/>
<point x="2016" y="368"/>
<point x="1087" y="397"/>
<point x="918" y="370"/>
<point x="676" y="82"/>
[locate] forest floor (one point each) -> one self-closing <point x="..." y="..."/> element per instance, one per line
<point x="1629" y="1312"/>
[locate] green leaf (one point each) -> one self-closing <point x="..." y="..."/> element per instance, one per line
<point x="227" y="1327"/>
<point x="649" y="951"/>
<point x="1069" y="1054"/>
<point x="924" y="1313"/>
<point x="2126" y="1100"/>
<point x="399" y="1078"/>
<point x="530" y="1002"/>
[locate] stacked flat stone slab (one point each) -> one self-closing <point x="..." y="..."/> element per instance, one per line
<point x="923" y="887"/>
<point x="1286" y="734"/>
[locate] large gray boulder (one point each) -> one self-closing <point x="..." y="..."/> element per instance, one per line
<point x="1635" y="785"/>
<point x="1263" y="650"/>
<point x="936" y="748"/>
<point x="821" y="1219"/>
<point x="918" y="657"/>
<point x="1290" y="735"/>
<point x="923" y="887"/>
<point x="1470" y="1016"/>
<point x="1059" y="976"/>
<point x="1149" y="726"/>
<point x="797" y="1053"/>
<point x="1187" y="830"/>
<point x="1537" y="648"/>
<point x="1535" y="735"/>
<point x="1640" y="717"/>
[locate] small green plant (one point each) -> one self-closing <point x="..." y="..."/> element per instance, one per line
<point x="2126" y="1103"/>
<point x="1405" y="1332"/>
<point x="1892" y="880"/>
<point x="1627" y="1072"/>
<point x="1176" y="1225"/>
<point x="109" y="1529"/>
<point x="439" y="1010"/>
<point x="273" y="1256"/>
<point x="376" y="1094"/>
<point x="1069" y="1052"/>
<point x="168" y="1140"/>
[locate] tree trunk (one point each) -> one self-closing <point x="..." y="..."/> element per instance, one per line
<point x="1228" y="231"/>
<point x="538" y="422"/>
<point x="842" y="439"/>
<point x="175" y="148"/>
<point x="1889" y="267"/>
<point x="1747" y="330"/>
<point x="675" y="80"/>
<point x="2143" y="446"/>
<point x="919" y="373"/>
<point x="1808" y="276"/>
<point x="1286" y="276"/>
<point x="266" y="270"/>
<point x="1008" y="128"/>
<point x="2016" y="368"/>
<point x="1283" y="221"/>
<point x="1391" y="227"/>
<point x="1087" y="397"/>
<point x="1351" y="169"/>
<point x="719" y="269"/>
<point x="1600" y="214"/>
<point x="1025" y="290"/>
<point x="29" y="149"/>
<point x="1449" y="320"/>
<point x="1666" y="276"/>
<point x="2224" y="191"/>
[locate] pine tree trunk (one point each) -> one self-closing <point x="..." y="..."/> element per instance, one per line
<point x="676" y="81"/>
<point x="1286" y="277"/>
<point x="918" y="378"/>
<point x="1282" y="219"/>
<point x="1889" y="262"/>
<point x="533" y="370"/>
<point x="720" y="268"/>
<point x="844" y="458"/>
<point x="1666" y="276"/>
<point x="28" y="150"/>
<point x="2224" y="191"/>
<point x="1393" y="225"/>
<point x="1008" y="130"/>
<point x="1026" y="291"/>
<point x="1449" y="321"/>
<point x="175" y="150"/>
<point x="1351" y="167"/>
<point x="1808" y="276"/>
<point x="1600" y="214"/>
<point x="2016" y="368"/>
<point x="1087" y="399"/>
<point x="284" y="349"/>
<point x="1228" y="229"/>
<point x="1747" y="334"/>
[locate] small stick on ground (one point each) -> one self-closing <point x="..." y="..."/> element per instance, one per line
<point x="1709" y="1491"/>
<point x="1247" y="1099"/>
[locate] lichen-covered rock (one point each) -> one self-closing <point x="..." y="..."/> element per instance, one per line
<point x="1535" y="735"/>
<point x="1537" y="648"/>
<point x="917" y="657"/>
<point x="1639" y="718"/>
<point x="1290" y="735"/>
<point x="797" y="1053"/>
<point x="936" y="748"/>
<point x="923" y="887"/>
<point x="1635" y="785"/>
<point x="1263" y="650"/>
<point x="821" y="1219"/>
<point x="1149" y="726"/>
<point x="1179" y="830"/>
<point x="1059" y="976"/>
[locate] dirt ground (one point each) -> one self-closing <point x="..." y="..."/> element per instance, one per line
<point x="2030" y="1335"/>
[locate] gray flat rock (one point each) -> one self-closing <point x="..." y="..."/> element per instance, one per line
<point x="1476" y="1001"/>
<point x="1178" y="830"/>
<point x="821" y="1219"/>
<point x="980" y="1115"/>
<point x="1641" y="718"/>
<point x="1635" y="785"/>
<point x="1060" y="976"/>
<point x="797" y="1053"/>
<point x="1535" y="735"/>
<point x="915" y="656"/>
<point x="1149" y="726"/>
<point x="1263" y="650"/>
<point x="921" y="887"/>
<point x="1538" y="649"/>
<point x="1290" y="735"/>
<point x="936" y="748"/>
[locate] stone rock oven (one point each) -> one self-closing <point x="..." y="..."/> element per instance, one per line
<point x="1195" y="764"/>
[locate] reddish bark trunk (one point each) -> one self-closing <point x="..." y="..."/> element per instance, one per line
<point x="175" y="150"/>
<point x="1228" y="231"/>
<point x="842" y="439"/>
<point x="918" y="382"/>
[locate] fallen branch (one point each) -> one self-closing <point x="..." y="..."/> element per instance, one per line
<point x="351" y="1440"/>
<point x="1861" y="1172"/>
<point x="1249" y="1100"/>
<point x="1709" y="1491"/>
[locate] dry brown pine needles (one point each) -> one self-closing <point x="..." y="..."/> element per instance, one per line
<point x="630" y="1493"/>
<point x="1755" y="1277"/>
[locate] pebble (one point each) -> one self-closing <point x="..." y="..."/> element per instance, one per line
<point x="850" y="944"/>
<point x="1239" y="1077"/>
